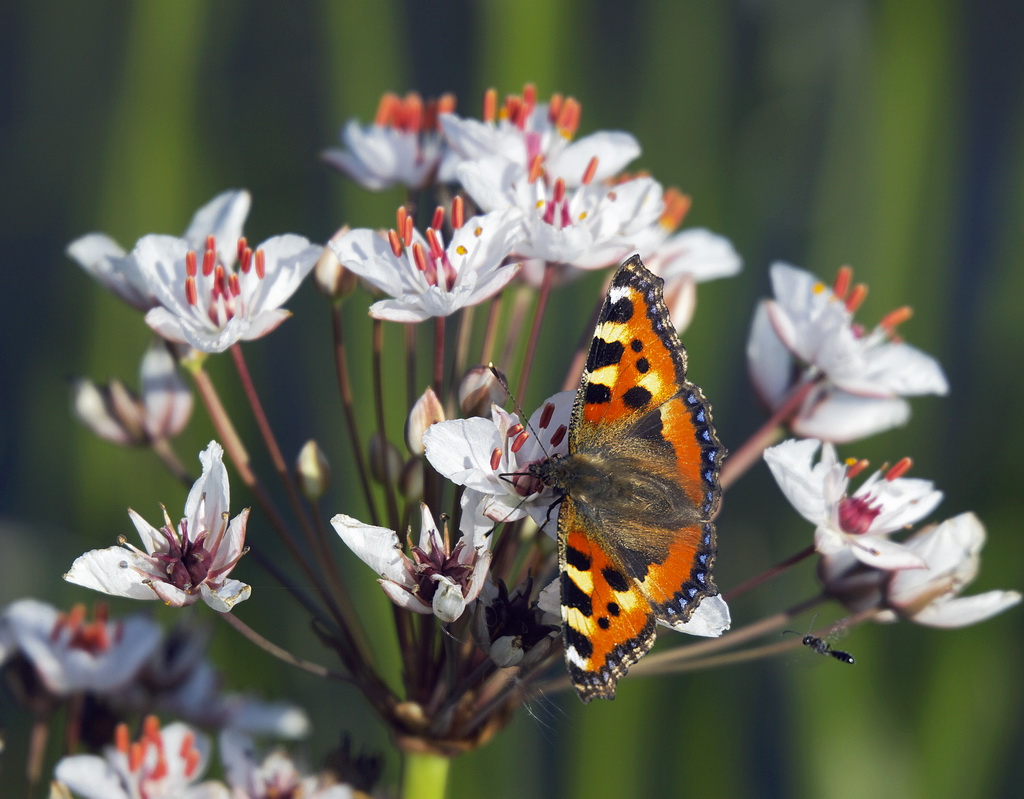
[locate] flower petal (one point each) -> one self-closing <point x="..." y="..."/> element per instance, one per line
<point x="377" y="547"/>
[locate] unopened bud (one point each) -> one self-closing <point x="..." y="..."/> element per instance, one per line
<point x="313" y="470"/>
<point x="410" y="482"/>
<point x="165" y="395"/>
<point x="507" y="651"/>
<point x="93" y="407"/>
<point x="426" y="411"/>
<point x="478" y="390"/>
<point x="385" y="460"/>
<point x="330" y="276"/>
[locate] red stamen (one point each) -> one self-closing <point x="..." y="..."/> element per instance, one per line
<point x="243" y="244"/>
<point x="895" y="318"/>
<point x="857" y="297"/>
<point x="446" y="103"/>
<point x="75" y="617"/>
<point x="209" y="261"/>
<point x="677" y="206"/>
<point x="188" y="741"/>
<point x="513" y="107"/>
<point x="559" y="434"/>
<point x="245" y="260"/>
<point x="436" y="250"/>
<point x="855" y="467"/>
<point x="151" y="729"/>
<point x="844" y="277"/>
<point x="191" y="758"/>
<point x="136" y="754"/>
<point x="590" y="171"/>
<point x="233" y="285"/>
<point x="413" y="121"/>
<point x="495" y="459"/>
<point x="191" y="263"/>
<point x="219" y="287"/>
<point x="395" y="242"/>
<point x="160" y="770"/>
<point x="558" y="195"/>
<point x="546" y="414"/>
<point x="490" y="105"/>
<point x="261" y="264"/>
<point x="400" y="216"/>
<point x="530" y="95"/>
<point x="514" y="430"/>
<point x="568" y="118"/>
<point x="458" y="212"/>
<point x="438" y="219"/>
<point x="520" y="440"/>
<point x="191" y="292"/>
<point x="407" y="232"/>
<point x="901" y="467"/>
<point x="554" y="107"/>
<point x="419" y="257"/>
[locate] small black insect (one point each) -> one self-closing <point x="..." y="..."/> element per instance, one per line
<point x="822" y="647"/>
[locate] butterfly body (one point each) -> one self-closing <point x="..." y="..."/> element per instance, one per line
<point x="638" y="487"/>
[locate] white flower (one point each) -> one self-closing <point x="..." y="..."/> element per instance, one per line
<point x="204" y="302"/>
<point x="177" y="566"/>
<point x="590" y="226"/>
<point x="163" y="764"/>
<point x="857" y="522"/>
<point x="402" y="146"/>
<point x="72" y="655"/>
<point x="275" y="776"/>
<point x="491" y="458"/>
<point x="435" y="579"/>
<point x="525" y="130"/>
<point x="427" y="278"/>
<point x="106" y="260"/>
<point x="952" y="552"/>
<point x="116" y="414"/>
<point x="859" y="378"/>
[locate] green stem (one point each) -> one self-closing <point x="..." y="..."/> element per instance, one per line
<point x="426" y="776"/>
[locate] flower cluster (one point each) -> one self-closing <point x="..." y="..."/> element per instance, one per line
<point x="501" y="213"/>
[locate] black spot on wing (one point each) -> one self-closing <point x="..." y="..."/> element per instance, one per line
<point x="636" y="397"/>
<point x="604" y="353"/>
<point x="597" y="394"/>
<point x="577" y="641"/>
<point x="643" y="365"/>
<point x="573" y="597"/>
<point x="636" y="345"/>
<point x="576" y="559"/>
<point x="616" y="580"/>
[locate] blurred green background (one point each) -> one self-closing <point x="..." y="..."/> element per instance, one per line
<point x="885" y="135"/>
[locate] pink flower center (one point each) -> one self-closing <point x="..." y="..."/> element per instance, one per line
<point x="857" y="514"/>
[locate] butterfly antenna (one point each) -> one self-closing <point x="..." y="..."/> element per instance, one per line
<point x="503" y="382"/>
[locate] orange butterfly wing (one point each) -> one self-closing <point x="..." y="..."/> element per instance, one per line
<point x="640" y="486"/>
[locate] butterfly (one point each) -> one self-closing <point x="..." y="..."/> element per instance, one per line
<point x="638" y="489"/>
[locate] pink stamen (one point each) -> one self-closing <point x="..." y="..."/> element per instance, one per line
<point x="857" y="297"/>
<point x="458" y="212"/>
<point x="590" y="171"/>
<point x="495" y="459"/>
<point x="546" y="414"/>
<point x="901" y="467"/>
<point x="558" y="435"/>
<point x="856" y="514"/>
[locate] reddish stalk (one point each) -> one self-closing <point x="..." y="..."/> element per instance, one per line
<point x="534" y="336"/>
<point x="378" y="390"/>
<point x="774" y="571"/>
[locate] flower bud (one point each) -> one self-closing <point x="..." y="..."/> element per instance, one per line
<point x="111" y="412"/>
<point x="478" y="389"/>
<point x="166" y="397"/>
<point x="330" y="276"/>
<point x="385" y="460"/>
<point x="313" y="470"/>
<point x="507" y="651"/>
<point x="424" y="413"/>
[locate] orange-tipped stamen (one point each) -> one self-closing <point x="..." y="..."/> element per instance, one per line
<point x="136" y="754"/>
<point x="558" y="195"/>
<point x="677" y="206"/>
<point x="234" y="287"/>
<point x="400" y="216"/>
<point x="446" y="103"/>
<point x="458" y="212"/>
<point x="855" y="467"/>
<point x="436" y="250"/>
<point x="438" y="219"/>
<point x="413" y="120"/>
<point x="241" y="247"/>
<point x="590" y="171"/>
<point x="385" y="109"/>
<point x="490" y="109"/>
<point x="121" y="739"/>
<point x="841" y="285"/>
<point x="857" y="297"/>
<point x="245" y="260"/>
<point x="536" y="167"/>
<point x="530" y="95"/>
<point x="895" y="318"/>
<point x="901" y="467"/>
<point x="395" y="242"/>
<point x="191" y="263"/>
<point x="191" y="292"/>
<point x="568" y="118"/>
<point x="520" y="441"/>
<point x="555" y="107"/>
